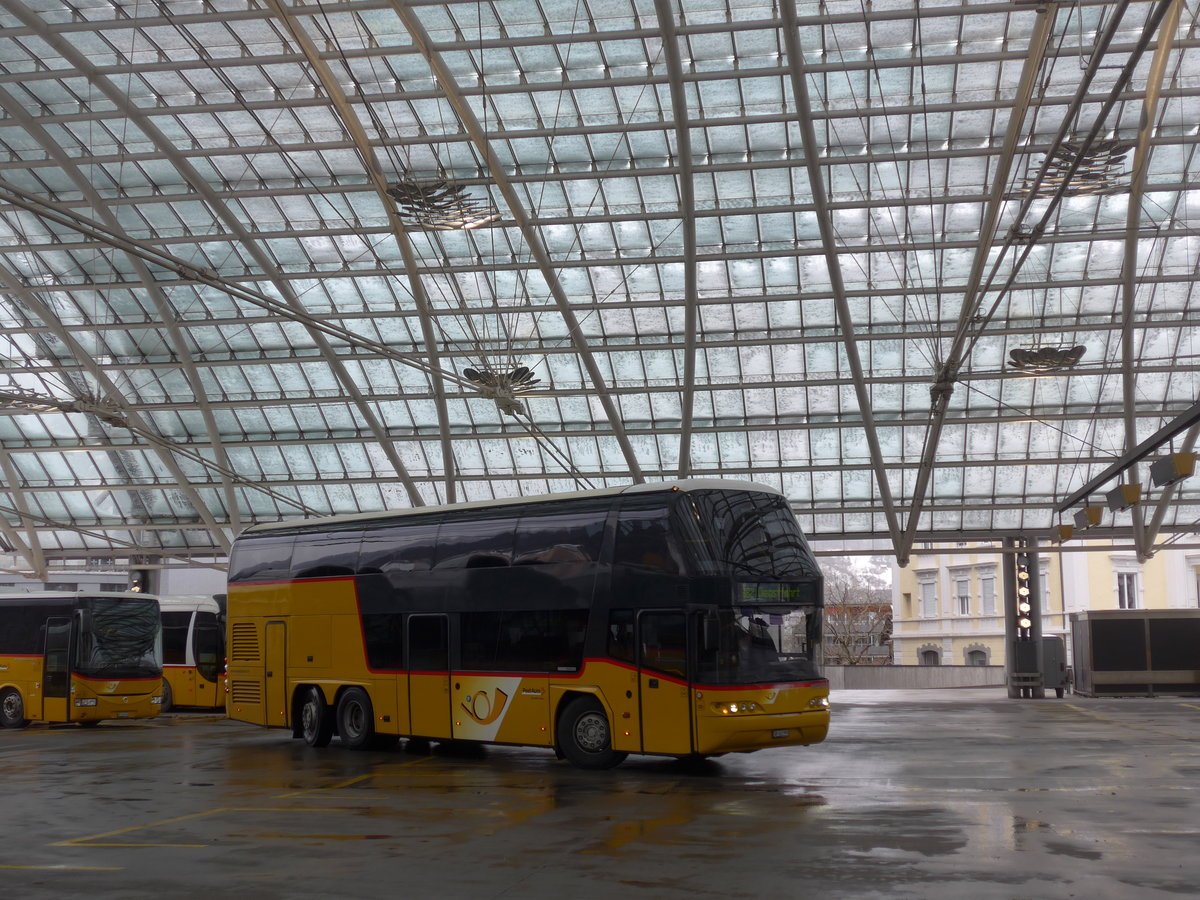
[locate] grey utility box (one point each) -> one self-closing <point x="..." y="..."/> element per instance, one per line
<point x="1136" y="652"/>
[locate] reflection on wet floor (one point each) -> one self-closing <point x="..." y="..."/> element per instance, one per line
<point x="924" y="795"/>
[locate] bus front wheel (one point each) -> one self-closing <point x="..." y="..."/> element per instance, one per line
<point x="584" y="735"/>
<point x="316" y="720"/>
<point x="12" y="709"/>
<point x="356" y="719"/>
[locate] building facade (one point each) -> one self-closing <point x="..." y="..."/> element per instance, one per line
<point x="948" y="608"/>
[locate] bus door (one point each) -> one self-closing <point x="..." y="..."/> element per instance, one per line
<point x="276" y="709"/>
<point x="429" y="676"/>
<point x="208" y="650"/>
<point x="56" y="671"/>
<point x="665" y="706"/>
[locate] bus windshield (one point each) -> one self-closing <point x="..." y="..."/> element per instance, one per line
<point x="757" y="645"/>
<point x="124" y="640"/>
<point x="745" y="534"/>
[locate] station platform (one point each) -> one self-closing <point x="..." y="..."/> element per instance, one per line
<point x="925" y="794"/>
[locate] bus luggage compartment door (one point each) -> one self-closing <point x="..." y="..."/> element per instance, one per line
<point x="276" y="712"/>
<point x="662" y="682"/>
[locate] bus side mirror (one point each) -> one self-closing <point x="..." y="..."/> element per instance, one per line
<point x="711" y="633"/>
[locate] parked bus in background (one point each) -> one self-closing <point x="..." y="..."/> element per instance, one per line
<point x="193" y="652"/>
<point x="681" y="619"/>
<point x="79" y="657"/>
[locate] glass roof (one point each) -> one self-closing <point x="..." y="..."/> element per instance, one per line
<point x="927" y="268"/>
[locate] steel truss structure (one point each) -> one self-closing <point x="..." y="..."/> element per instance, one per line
<point x="925" y="267"/>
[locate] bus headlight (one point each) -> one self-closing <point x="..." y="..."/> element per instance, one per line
<point x="733" y="709"/>
<point x="157" y="701"/>
<point x="819" y="702"/>
<point x="86" y="701"/>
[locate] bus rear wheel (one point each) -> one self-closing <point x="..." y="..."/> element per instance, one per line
<point x="12" y="709"/>
<point x="584" y="735"/>
<point x="356" y="719"/>
<point x="316" y="719"/>
<point x="168" y="699"/>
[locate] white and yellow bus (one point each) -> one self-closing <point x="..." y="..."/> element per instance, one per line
<point x="79" y="657"/>
<point x="193" y="652"/>
<point x="681" y="619"/>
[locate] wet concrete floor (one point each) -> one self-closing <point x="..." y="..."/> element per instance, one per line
<point x="962" y="794"/>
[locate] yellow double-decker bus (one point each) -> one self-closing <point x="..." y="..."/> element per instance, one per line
<point x="193" y="652"/>
<point x="79" y="657"/>
<point x="681" y="619"/>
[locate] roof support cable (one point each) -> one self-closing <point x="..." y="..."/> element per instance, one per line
<point x="445" y="78"/>
<point x="362" y="144"/>
<point x="1154" y="84"/>
<point x="969" y="319"/>
<point x="114" y="397"/>
<point x="192" y="177"/>
<point x="812" y="152"/>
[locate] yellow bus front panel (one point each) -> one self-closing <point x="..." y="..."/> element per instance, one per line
<point x="93" y="699"/>
<point x="732" y="720"/>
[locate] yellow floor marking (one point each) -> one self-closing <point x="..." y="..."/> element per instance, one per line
<point x="1153" y="729"/>
<point x="1190" y="705"/>
<point x="346" y="784"/>
<point x="94" y="839"/>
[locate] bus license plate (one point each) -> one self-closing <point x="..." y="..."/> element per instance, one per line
<point x="779" y="733"/>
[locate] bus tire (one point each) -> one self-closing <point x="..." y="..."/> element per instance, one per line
<point x="584" y="735"/>
<point x="356" y="719"/>
<point x="168" y="698"/>
<point x="12" y="709"/>
<point x="316" y="719"/>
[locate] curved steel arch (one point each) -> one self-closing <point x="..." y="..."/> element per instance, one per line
<point x="445" y="79"/>
<point x="189" y="173"/>
<point x="165" y="312"/>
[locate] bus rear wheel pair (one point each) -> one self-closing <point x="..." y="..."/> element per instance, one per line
<point x="353" y="718"/>
<point x="12" y="709"/>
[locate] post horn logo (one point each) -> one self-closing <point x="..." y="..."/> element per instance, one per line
<point x="482" y="708"/>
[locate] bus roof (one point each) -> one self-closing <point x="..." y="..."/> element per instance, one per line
<point x="72" y="596"/>
<point x="684" y="484"/>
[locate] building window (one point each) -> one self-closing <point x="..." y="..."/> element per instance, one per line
<point x="977" y="658"/>
<point x="1126" y="590"/>
<point x="928" y="600"/>
<point x="987" y="594"/>
<point x="930" y="658"/>
<point x="962" y="591"/>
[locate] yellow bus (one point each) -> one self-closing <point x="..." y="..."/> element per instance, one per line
<point x="681" y="619"/>
<point x="193" y="652"/>
<point x="79" y="657"/>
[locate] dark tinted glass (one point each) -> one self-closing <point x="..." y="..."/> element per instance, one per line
<point x="1119" y="644"/>
<point x="620" y="635"/>
<point x="465" y="543"/>
<point x="174" y="637"/>
<point x="208" y="645"/>
<point x="399" y="546"/>
<point x="664" y="642"/>
<point x="22" y="628"/>
<point x="643" y="542"/>
<point x="326" y="555"/>
<point x="749" y="533"/>
<point x="552" y="537"/>
<point x="524" y="640"/>
<point x="261" y="558"/>
<point x="1174" y="644"/>
<point x="427" y="644"/>
<point x="384" y="636"/>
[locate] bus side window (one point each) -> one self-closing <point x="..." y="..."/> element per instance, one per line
<point x="620" y="634"/>
<point x="642" y="541"/>
<point x="664" y="642"/>
<point x="174" y="637"/>
<point x="262" y="558"/>
<point x="326" y="555"/>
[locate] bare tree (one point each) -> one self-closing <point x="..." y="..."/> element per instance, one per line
<point x="858" y="610"/>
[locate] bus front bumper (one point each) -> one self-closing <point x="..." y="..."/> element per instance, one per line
<point x="742" y="733"/>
